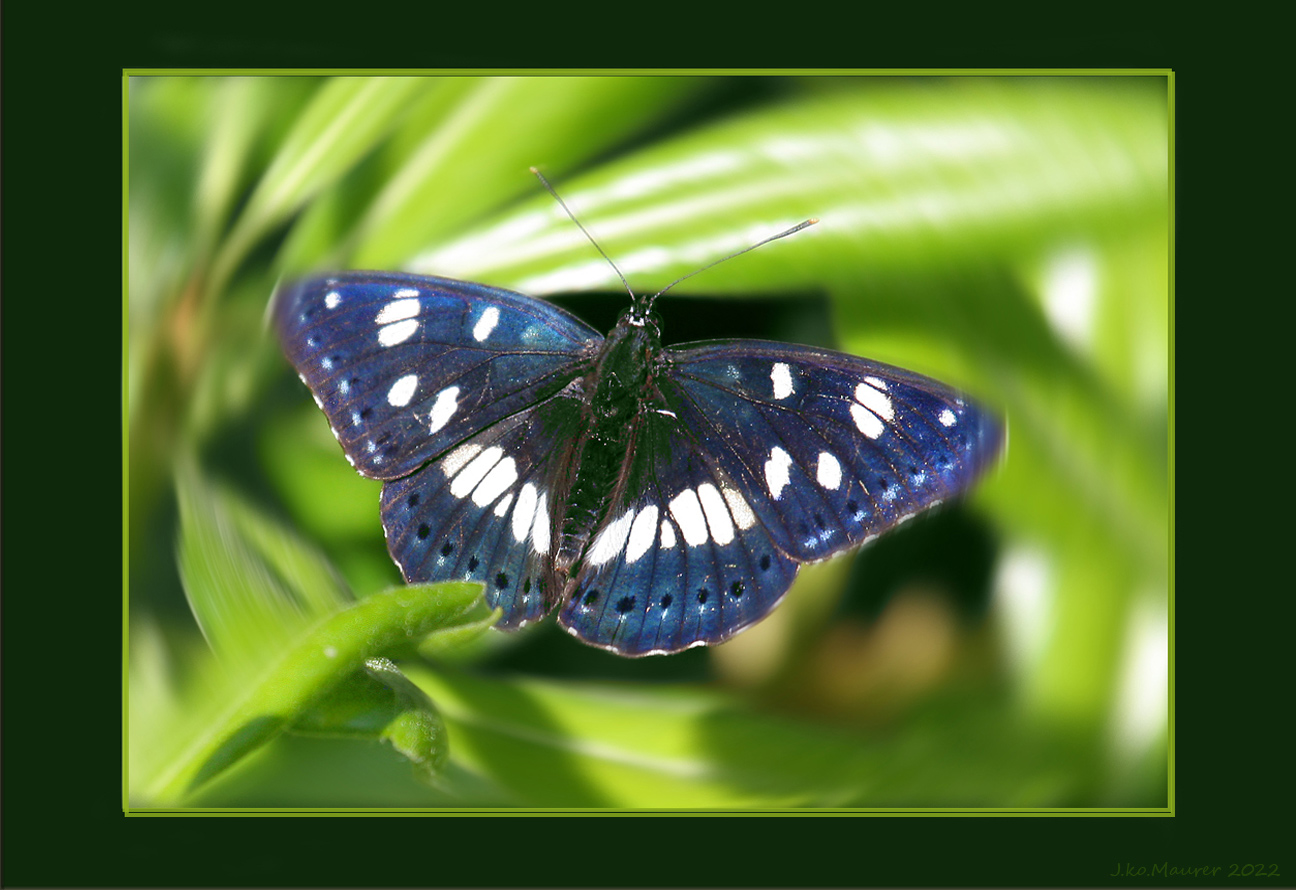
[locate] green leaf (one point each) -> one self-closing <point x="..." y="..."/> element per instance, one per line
<point x="243" y="110"/>
<point x="389" y="622"/>
<point x="273" y="612"/>
<point x="918" y="180"/>
<point x="471" y="160"/>
<point x="381" y="704"/>
<point x="252" y="585"/>
<point x="329" y="499"/>
<point x="346" y="120"/>
<point x="585" y="745"/>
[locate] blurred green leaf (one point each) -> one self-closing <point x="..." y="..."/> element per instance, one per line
<point x="275" y="615"/>
<point x="583" y="745"/>
<point x="345" y="121"/>
<point x="333" y="503"/>
<point x="453" y="173"/>
<point x="243" y="109"/>
<point x="247" y="610"/>
<point x="920" y="180"/>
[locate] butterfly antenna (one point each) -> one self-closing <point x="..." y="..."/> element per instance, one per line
<point x="597" y="246"/>
<point x="792" y="231"/>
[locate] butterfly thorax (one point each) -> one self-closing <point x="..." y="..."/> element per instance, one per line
<point x="620" y="386"/>
<point x="620" y="380"/>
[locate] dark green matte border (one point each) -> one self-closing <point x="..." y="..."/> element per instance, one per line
<point x="63" y="824"/>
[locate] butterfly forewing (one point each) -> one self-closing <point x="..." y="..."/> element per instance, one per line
<point x="680" y="558"/>
<point x="405" y="366"/>
<point x="830" y="449"/>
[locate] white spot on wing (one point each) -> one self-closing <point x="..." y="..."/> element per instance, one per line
<point x="399" y="332"/>
<point x="875" y="400"/>
<point x="642" y="533"/>
<point x="781" y="376"/>
<point x="540" y="531"/>
<point x="402" y="391"/>
<point x="829" y="472"/>
<point x="443" y="408"/>
<point x="502" y="507"/>
<point x="455" y="460"/>
<point x="717" y="514"/>
<point x="688" y="513"/>
<point x="524" y="512"/>
<point x="397" y="310"/>
<point x="497" y="481"/>
<point x="947" y="417"/>
<point x="867" y="421"/>
<point x="486" y="323"/>
<point x="667" y="534"/>
<point x="333" y="299"/>
<point x="475" y="471"/>
<point x="776" y="471"/>
<point x="876" y="383"/>
<point x="610" y="541"/>
<point x="743" y="516"/>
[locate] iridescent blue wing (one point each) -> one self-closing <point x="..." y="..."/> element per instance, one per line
<point x="460" y="380"/>
<point x="681" y="559"/>
<point x="405" y="366"/>
<point x="839" y="448"/>
<point x="483" y="511"/>
<point x="767" y="455"/>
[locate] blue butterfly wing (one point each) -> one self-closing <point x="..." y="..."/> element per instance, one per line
<point x="484" y="510"/>
<point x="838" y="448"/>
<point x="406" y="367"/>
<point x="762" y="456"/>
<point x="449" y="391"/>
<point x="680" y="559"/>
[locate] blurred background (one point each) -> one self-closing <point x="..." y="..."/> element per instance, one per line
<point x="1009" y="236"/>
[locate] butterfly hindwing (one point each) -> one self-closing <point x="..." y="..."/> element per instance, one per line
<point x="407" y="366"/>
<point x="830" y="449"/>
<point x="483" y="511"/>
<point x="680" y="558"/>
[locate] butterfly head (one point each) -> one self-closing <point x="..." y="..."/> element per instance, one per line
<point x="641" y="315"/>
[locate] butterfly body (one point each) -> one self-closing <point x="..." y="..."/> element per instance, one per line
<point x="617" y="386"/>
<point x="659" y="498"/>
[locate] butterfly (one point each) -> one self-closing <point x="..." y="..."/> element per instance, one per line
<point x="659" y="498"/>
